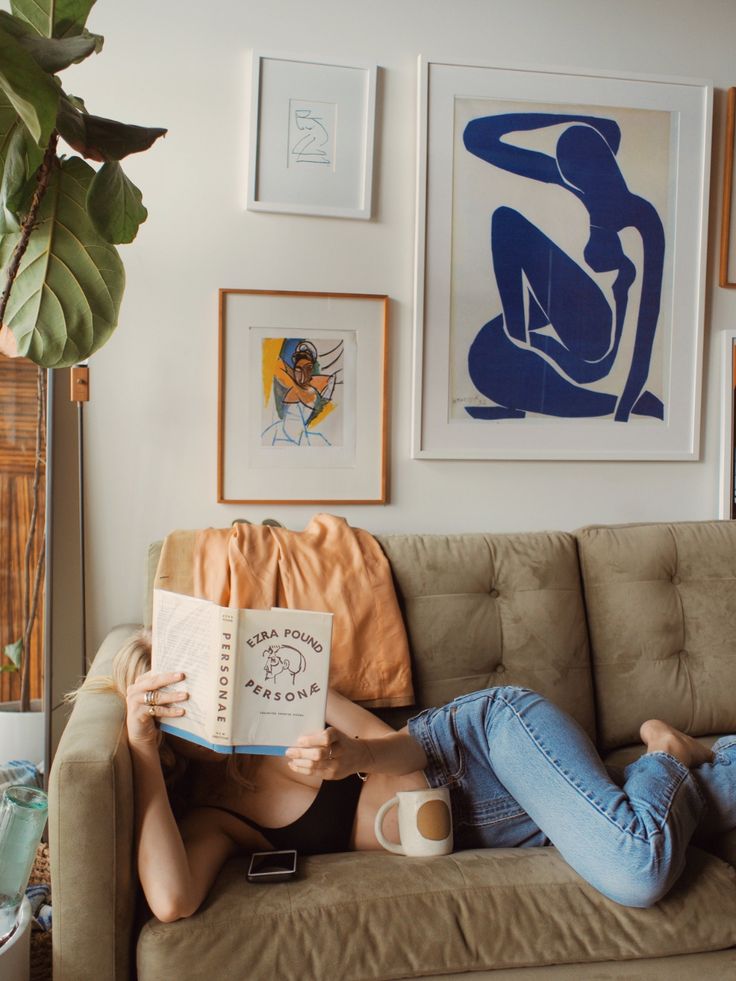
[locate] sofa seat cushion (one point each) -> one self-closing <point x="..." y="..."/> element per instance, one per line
<point x="661" y="602"/>
<point x="374" y="915"/>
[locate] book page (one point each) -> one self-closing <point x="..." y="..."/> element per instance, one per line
<point x="182" y="640"/>
<point x="284" y="663"/>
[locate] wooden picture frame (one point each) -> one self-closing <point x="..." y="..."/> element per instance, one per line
<point x="302" y="397"/>
<point x="727" y="201"/>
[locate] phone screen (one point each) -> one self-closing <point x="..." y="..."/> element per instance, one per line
<point x="272" y="866"/>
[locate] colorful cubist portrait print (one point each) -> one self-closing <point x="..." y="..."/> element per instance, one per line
<point x="303" y="389"/>
<point x="559" y="262"/>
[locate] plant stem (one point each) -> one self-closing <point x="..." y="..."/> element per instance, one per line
<point x="30" y="602"/>
<point x="29" y="222"/>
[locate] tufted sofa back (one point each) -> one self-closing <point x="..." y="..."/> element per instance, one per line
<point x="661" y="607"/>
<point x="658" y="602"/>
<point x="484" y="610"/>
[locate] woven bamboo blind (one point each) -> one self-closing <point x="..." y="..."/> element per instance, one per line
<point x="18" y="417"/>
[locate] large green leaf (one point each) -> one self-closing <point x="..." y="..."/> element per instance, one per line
<point x="65" y="300"/>
<point x="16" y="184"/>
<point x="20" y="157"/>
<point x="115" y="204"/>
<point x="51" y="54"/>
<point x="54" y="18"/>
<point x="102" y="139"/>
<point x="30" y="90"/>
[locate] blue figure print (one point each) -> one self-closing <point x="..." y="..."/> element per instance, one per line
<point x="558" y="332"/>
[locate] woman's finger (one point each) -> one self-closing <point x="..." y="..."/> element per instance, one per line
<point x="160" y="711"/>
<point x="153" y="680"/>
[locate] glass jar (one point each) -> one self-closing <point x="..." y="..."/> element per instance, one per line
<point x="23" y="813"/>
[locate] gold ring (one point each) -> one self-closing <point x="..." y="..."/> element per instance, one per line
<point x="148" y="698"/>
<point x="152" y="710"/>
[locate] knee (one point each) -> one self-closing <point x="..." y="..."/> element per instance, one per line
<point x="638" y="892"/>
<point x="642" y="885"/>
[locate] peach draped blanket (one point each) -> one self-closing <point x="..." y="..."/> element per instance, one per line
<point x="329" y="566"/>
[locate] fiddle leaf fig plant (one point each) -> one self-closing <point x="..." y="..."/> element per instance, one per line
<point x="61" y="277"/>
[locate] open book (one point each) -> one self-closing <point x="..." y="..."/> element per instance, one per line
<point x="257" y="679"/>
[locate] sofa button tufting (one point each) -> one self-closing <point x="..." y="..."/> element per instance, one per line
<point x="500" y="669"/>
<point x="683" y="653"/>
<point x="676" y="580"/>
<point x="493" y="593"/>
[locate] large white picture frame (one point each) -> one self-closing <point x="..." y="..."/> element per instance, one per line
<point x="560" y="261"/>
<point x="311" y="137"/>
<point x="727" y="483"/>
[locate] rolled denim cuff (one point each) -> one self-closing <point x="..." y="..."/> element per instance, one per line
<point x="419" y="729"/>
<point x="660" y="778"/>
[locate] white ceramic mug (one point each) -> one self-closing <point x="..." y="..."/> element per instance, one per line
<point x="425" y="822"/>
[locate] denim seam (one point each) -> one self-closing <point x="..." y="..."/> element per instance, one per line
<point x="419" y="729"/>
<point x="681" y="777"/>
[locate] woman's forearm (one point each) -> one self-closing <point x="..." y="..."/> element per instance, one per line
<point x="163" y="867"/>
<point x="396" y="754"/>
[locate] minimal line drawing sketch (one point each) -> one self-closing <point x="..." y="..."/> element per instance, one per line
<point x="310" y="133"/>
<point x="562" y="328"/>
<point x="283" y="659"/>
<point x="300" y="377"/>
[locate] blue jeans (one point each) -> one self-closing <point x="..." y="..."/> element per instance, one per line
<point x="522" y="772"/>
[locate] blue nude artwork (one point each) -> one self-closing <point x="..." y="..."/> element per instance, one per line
<point x="302" y="387"/>
<point x="559" y="241"/>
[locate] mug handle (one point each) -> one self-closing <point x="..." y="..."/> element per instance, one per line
<point x="378" y="824"/>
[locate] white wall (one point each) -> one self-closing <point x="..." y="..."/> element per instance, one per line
<point x="151" y="425"/>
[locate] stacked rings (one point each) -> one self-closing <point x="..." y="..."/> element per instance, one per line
<point x="151" y="698"/>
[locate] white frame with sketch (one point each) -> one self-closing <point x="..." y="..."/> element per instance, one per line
<point x="311" y="137"/>
<point x="662" y="154"/>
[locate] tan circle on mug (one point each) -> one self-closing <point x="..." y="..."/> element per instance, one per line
<point x="433" y="820"/>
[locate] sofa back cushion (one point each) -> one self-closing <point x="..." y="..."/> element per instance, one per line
<point x="661" y="603"/>
<point x="485" y="610"/>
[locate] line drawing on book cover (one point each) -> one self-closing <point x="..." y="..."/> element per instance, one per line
<point x="283" y="659"/>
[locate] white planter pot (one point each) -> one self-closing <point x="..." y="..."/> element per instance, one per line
<point x="15" y="955"/>
<point x="21" y="736"/>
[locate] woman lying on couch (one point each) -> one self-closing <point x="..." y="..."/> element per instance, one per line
<point x="520" y="771"/>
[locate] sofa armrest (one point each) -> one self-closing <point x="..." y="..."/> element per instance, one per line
<point x="91" y="830"/>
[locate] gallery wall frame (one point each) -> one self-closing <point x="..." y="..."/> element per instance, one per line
<point x="727" y="492"/>
<point x="513" y="220"/>
<point x="311" y="137"/>
<point x="724" y="271"/>
<point x="302" y="397"/>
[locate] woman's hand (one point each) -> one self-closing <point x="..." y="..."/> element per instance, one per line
<point x="329" y="754"/>
<point x="142" y="715"/>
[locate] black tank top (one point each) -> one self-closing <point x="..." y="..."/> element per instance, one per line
<point x="325" y="826"/>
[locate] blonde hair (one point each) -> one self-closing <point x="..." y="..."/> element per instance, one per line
<point x="131" y="661"/>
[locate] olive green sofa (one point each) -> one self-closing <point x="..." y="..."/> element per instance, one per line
<point x="614" y="623"/>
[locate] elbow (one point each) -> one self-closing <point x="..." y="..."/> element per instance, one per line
<point x="169" y="909"/>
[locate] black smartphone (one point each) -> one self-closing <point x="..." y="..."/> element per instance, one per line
<point x="275" y="866"/>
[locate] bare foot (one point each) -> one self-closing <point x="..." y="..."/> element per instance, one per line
<point x="659" y="736"/>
